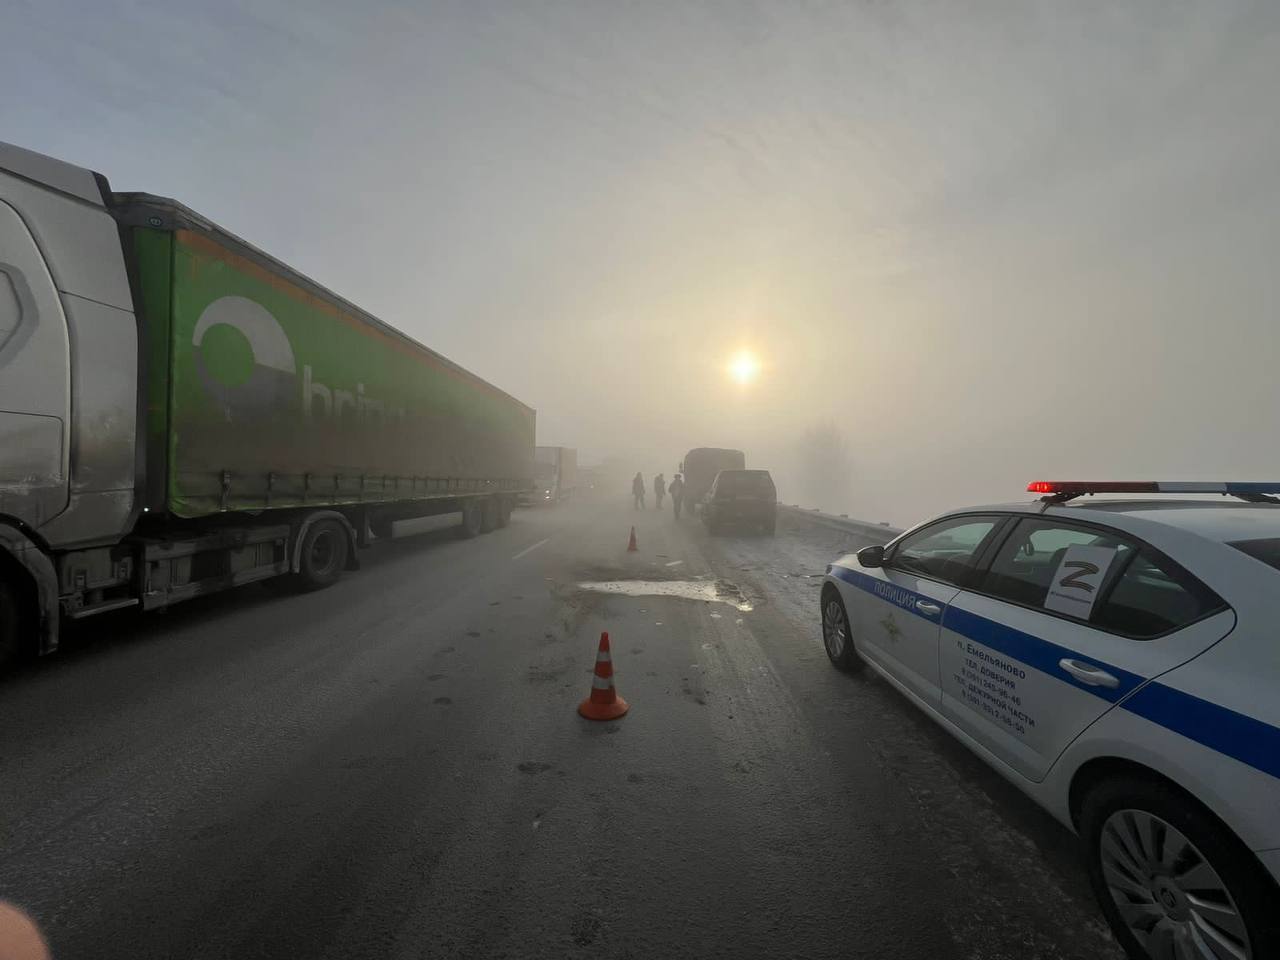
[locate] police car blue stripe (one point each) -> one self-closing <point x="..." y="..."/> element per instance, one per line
<point x="1250" y="741"/>
<point x="1031" y="650"/>
<point x="1035" y="652"/>
<point x="1219" y="728"/>
<point x="889" y="592"/>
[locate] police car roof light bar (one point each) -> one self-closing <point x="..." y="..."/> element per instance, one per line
<point x="1060" y="491"/>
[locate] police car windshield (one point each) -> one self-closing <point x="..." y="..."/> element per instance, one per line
<point x="1267" y="550"/>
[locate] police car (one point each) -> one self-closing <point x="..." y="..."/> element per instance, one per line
<point x="1119" y="662"/>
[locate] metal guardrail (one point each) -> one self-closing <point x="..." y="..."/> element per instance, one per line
<point x="865" y="528"/>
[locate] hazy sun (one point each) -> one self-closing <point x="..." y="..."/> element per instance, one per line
<point x="744" y="367"/>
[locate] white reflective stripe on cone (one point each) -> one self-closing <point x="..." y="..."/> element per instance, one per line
<point x="602" y="683"/>
<point x="603" y="657"/>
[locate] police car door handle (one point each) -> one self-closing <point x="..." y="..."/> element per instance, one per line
<point x="1088" y="673"/>
<point x="932" y="609"/>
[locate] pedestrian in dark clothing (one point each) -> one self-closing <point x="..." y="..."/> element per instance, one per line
<point x="676" y="489"/>
<point x="637" y="490"/>
<point x="659" y="488"/>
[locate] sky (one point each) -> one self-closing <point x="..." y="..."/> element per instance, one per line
<point x="970" y="244"/>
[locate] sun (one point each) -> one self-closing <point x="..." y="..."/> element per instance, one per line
<point x="744" y="367"/>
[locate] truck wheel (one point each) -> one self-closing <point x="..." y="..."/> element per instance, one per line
<point x="11" y="640"/>
<point x="488" y="514"/>
<point x="323" y="555"/>
<point x="1169" y="876"/>
<point x="471" y="519"/>
<point x="504" y="511"/>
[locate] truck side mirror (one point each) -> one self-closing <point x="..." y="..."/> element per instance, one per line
<point x="871" y="556"/>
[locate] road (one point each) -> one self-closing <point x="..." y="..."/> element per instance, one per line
<point x="394" y="768"/>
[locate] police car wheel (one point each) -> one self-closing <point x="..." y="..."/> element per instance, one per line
<point x="1172" y="880"/>
<point x="837" y="637"/>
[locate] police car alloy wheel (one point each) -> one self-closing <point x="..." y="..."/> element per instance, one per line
<point x="836" y="635"/>
<point x="1173" y="883"/>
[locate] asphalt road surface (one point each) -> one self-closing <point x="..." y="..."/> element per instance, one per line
<point x="395" y="768"/>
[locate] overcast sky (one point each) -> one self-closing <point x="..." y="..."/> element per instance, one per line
<point x="987" y="242"/>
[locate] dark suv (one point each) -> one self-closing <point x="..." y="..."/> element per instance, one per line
<point x="741" y="498"/>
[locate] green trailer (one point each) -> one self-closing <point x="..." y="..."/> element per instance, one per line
<point x="269" y="392"/>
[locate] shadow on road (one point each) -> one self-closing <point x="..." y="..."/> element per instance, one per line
<point x="102" y="635"/>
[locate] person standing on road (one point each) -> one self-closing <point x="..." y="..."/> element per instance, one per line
<point x="637" y="490"/>
<point x="659" y="488"/>
<point x="676" y="489"/>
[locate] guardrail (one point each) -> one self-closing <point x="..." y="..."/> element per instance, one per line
<point x="864" y="528"/>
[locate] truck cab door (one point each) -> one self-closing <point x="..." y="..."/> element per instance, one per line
<point x="35" y="377"/>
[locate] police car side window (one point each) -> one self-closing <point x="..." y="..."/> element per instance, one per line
<point x="1149" y="599"/>
<point x="1024" y="567"/>
<point x="945" y="550"/>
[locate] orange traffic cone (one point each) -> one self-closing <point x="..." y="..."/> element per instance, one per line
<point x="604" y="702"/>
<point x="632" y="547"/>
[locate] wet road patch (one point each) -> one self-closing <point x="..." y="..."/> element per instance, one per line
<point x="708" y="591"/>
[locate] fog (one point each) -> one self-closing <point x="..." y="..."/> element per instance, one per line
<point x="970" y="245"/>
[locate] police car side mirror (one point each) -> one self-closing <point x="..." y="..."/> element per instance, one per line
<point x="871" y="556"/>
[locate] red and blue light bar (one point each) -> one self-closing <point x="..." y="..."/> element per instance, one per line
<point x="1077" y="488"/>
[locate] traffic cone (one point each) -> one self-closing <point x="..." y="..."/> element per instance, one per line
<point x="604" y="702"/>
<point x="632" y="547"/>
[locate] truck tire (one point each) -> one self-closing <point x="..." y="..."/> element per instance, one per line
<point x="504" y="511"/>
<point x="471" y="519"/>
<point x="323" y="556"/>
<point x="488" y="514"/>
<point x="12" y="645"/>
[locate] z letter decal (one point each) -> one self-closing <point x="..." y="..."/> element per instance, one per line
<point x="1079" y="575"/>
<point x="1085" y="569"/>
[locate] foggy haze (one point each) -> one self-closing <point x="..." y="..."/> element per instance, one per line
<point x="970" y="245"/>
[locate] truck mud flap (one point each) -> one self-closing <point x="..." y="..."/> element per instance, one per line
<point x="34" y="560"/>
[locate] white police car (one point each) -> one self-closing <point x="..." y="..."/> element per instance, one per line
<point x="1118" y="661"/>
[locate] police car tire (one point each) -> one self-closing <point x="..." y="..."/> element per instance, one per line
<point x="849" y="661"/>
<point x="1253" y="890"/>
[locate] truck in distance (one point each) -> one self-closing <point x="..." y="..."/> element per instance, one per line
<point x="181" y="413"/>
<point x="699" y="469"/>
<point x="555" y="474"/>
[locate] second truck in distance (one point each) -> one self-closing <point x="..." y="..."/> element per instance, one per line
<point x="555" y="474"/>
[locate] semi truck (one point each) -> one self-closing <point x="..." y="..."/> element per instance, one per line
<point x="181" y="413"/>
<point x="699" y="469"/>
<point x="555" y="473"/>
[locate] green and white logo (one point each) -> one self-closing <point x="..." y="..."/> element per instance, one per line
<point x="246" y="362"/>
<point x="244" y="358"/>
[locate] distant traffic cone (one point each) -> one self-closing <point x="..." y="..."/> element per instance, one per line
<point x="632" y="547"/>
<point x="604" y="702"/>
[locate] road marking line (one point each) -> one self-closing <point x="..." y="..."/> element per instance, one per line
<point x="530" y="549"/>
<point x="673" y="563"/>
